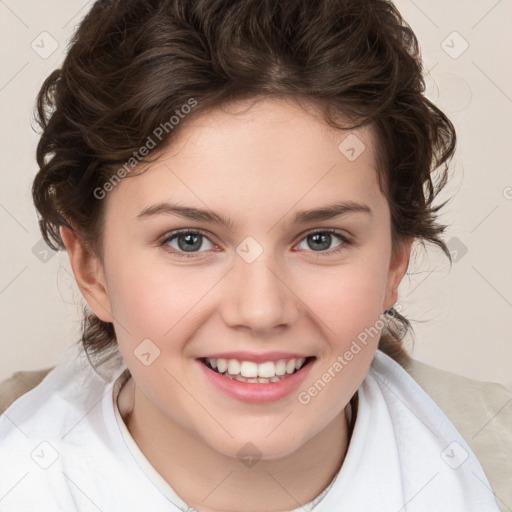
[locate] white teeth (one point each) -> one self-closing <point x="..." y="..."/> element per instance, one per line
<point x="281" y="367"/>
<point x="254" y="372"/>
<point x="290" y="366"/>
<point x="222" y="365"/>
<point x="234" y="367"/>
<point x="248" y="369"/>
<point x="267" y="369"/>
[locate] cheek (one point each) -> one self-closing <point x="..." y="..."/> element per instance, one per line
<point x="161" y="302"/>
<point x="148" y="299"/>
<point x="348" y="307"/>
<point x="347" y="299"/>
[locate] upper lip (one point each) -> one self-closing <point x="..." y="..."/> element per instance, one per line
<point x="256" y="358"/>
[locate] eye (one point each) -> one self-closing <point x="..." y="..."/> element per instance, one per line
<point x="187" y="242"/>
<point x="322" y="240"/>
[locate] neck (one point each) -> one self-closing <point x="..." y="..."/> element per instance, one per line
<point x="210" y="481"/>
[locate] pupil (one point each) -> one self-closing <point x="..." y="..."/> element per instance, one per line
<point x="189" y="246"/>
<point x="323" y="238"/>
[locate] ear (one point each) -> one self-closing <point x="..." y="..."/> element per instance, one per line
<point x="89" y="274"/>
<point x="397" y="269"/>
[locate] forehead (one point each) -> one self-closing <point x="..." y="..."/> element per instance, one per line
<point x="266" y="127"/>
<point x="267" y="152"/>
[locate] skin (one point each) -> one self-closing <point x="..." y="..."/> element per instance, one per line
<point x="257" y="163"/>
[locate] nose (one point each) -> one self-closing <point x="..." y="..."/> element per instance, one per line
<point x="259" y="296"/>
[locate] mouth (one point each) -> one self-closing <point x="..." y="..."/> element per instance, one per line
<point x="249" y="372"/>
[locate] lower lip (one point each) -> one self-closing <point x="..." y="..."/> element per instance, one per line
<point x="253" y="392"/>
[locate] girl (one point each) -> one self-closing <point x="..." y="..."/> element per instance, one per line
<point x="238" y="185"/>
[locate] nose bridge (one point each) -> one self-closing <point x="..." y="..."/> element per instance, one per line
<point x="259" y="297"/>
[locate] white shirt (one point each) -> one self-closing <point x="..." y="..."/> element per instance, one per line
<point x="64" y="447"/>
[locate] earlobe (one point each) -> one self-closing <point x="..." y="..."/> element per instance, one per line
<point x="89" y="274"/>
<point x="397" y="270"/>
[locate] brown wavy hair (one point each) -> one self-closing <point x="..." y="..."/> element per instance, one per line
<point x="131" y="65"/>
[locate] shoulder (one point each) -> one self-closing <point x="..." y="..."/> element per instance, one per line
<point x="481" y="412"/>
<point x="57" y="419"/>
<point x="18" y="384"/>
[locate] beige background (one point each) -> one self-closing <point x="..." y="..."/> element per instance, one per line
<point x="462" y="316"/>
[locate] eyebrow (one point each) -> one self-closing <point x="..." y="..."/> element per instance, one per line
<point x="302" y="217"/>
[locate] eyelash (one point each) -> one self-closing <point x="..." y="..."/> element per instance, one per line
<point x="343" y="246"/>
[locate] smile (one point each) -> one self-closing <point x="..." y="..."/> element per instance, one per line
<point x="256" y="382"/>
<point x="251" y="372"/>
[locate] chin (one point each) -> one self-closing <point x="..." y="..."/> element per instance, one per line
<point x="258" y="447"/>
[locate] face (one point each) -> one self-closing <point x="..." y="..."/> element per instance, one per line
<point x="272" y="284"/>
